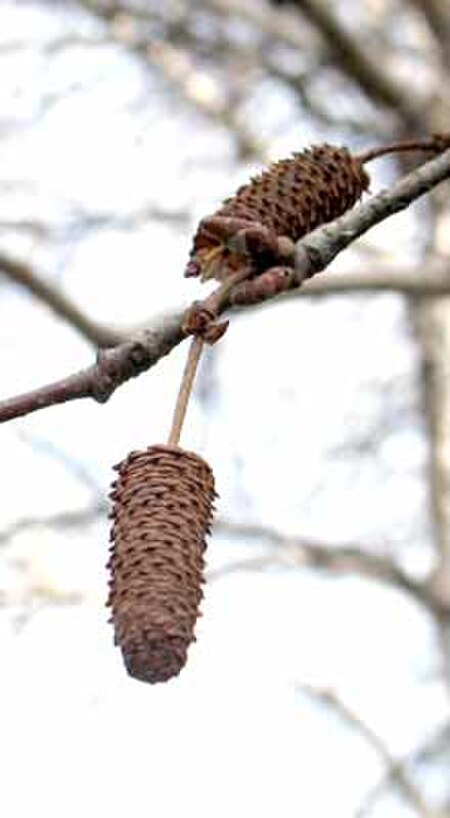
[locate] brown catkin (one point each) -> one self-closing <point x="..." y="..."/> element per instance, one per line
<point x="298" y="194"/>
<point x="162" y="507"/>
<point x="290" y="198"/>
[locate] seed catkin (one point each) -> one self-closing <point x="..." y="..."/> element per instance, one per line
<point x="298" y="194"/>
<point x="290" y="198"/>
<point x="162" y="507"/>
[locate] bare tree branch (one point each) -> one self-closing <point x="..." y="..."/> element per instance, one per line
<point x="429" y="280"/>
<point x="63" y="520"/>
<point x="434" y="746"/>
<point x="433" y="368"/>
<point x="113" y="367"/>
<point x="395" y="768"/>
<point x="360" y="66"/>
<point x="330" y="240"/>
<point x="342" y="560"/>
<point x="23" y="274"/>
<point x="314" y="253"/>
<point x="177" y="66"/>
<point x="182" y="75"/>
<point x="437" y="15"/>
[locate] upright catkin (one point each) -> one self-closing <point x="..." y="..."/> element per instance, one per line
<point x="290" y="198"/>
<point x="295" y="195"/>
<point x="162" y="507"/>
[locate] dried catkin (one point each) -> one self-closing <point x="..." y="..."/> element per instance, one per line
<point x="290" y="198"/>
<point x="162" y="507"/>
<point x="298" y="194"/>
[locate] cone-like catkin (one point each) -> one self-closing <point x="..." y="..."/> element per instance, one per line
<point x="162" y="511"/>
<point x="291" y="197"/>
<point x="296" y="195"/>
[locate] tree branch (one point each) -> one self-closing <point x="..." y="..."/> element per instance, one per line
<point x="314" y="253"/>
<point x="60" y="520"/>
<point x="395" y="768"/>
<point x="177" y="66"/>
<point x="25" y="276"/>
<point x="361" y="67"/>
<point x="349" y="559"/>
<point x="437" y="15"/>
<point x="113" y="367"/>
<point x="318" y="249"/>
<point x="430" y="280"/>
<point x="430" y="750"/>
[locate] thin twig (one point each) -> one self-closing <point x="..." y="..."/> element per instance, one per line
<point x="434" y="746"/>
<point x="395" y="768"/>
<point x="436" y="143"/>
<point x="195" y="351"/>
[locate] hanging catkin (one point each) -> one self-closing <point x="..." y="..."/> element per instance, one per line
<point x="162" y="510"/>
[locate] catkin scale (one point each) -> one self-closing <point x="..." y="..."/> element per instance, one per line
<point x="162" y="506"/>
<point x="290" y="198"/>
